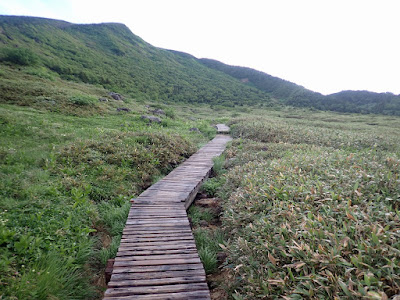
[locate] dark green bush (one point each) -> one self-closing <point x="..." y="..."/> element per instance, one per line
<point x="83" y="100"/>
<point x="20" y="56"/>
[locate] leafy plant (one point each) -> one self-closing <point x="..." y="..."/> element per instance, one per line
<point x="211" y="186"/>
<point x="83" y="100"/>
<point x="209" y="259"/>
<point x="20" y="56"/>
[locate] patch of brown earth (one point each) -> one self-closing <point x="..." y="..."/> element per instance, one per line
<point x="218" y="284"/>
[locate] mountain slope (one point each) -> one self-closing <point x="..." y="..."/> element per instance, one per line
<point x="110" y="55"/>
<point x="292" y="94"/>
<point x="275" y="86"/>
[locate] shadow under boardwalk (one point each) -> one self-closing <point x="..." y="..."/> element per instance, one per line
<point x="157" y="257"/>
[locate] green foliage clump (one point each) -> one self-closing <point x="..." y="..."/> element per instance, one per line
<point x="312" y="208"/>
<point x="83" y="100"/>
<point x="198" y="214"/>
<point x="121" y="163"/>
<point x="20" y="56"/>
<point x="208" y="244"/>
<point x="212" y="185"/>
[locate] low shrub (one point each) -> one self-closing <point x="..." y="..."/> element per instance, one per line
<point x="20" y="56"/>
<point x="83" y="100"/>
<point x="212" y="185"/>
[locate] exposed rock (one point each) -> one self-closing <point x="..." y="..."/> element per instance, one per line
<point x="123" y="109"/>
<point x="203" y="223"/>
<point x="194" y="129"/>
<point x="158" y="111"/>
<point x="102" y="99"/>
<point x="152" y="119"/>
<point x="221" y="256"/>
<point x="115" y="96"/>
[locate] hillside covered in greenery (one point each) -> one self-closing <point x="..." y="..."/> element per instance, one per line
<point x="111" y="56"/>
<point x="292" y="94"/>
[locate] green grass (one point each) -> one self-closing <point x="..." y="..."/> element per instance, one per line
<point x="65" y="186"/>
<point x="312" y="206"/>
<point x="208" y="243"/>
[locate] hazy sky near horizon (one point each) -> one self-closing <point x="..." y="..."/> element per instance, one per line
<point x="324" y="45"/>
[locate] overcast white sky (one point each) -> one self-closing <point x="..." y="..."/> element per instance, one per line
<point x="324" y="45"/>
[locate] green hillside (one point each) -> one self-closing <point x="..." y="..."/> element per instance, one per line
<point x="292" y="94"/>
<point x="111" y="56"/>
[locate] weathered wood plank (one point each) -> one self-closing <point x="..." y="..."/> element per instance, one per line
<point x="146" y="252"/>
<point x="126" y="282"/>
<point x="126" y="291"/>
<point x="153" y="275"/>
<point x="155" y="239"/>
<point x="156" y="262"/>
<point x="156" y="268"/>
<point x="156" y="257"/>
<point x="195" y="295"/>
<point x="165" y="246"/>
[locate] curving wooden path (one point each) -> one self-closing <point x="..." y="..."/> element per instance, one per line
<point x="157" y="257"/>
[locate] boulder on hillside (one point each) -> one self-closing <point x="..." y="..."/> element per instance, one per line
<point x="158" y="111"/>
<point x="115" y="96"/>
<point x="123" y="109"/>
<point x="102" y="99"/>
<point x="194" y="129"/>
<point x="152" y="119"/>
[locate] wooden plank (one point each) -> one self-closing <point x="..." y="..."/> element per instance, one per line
<point x="146" y="252"/>
<point x="140" y="233"/>
<point x="180" y="239"/>
<point x="127" y="291"/>
<point x="169" y="231"/>
<point x="156" y="262"/>
<point x="126" y="282"/>
<point x="156" y="268"/>
<point x="151" y="275"/>
<point x="195" y="295"/>
<point x="135" y="247"/>
<point x="156" y="257"/>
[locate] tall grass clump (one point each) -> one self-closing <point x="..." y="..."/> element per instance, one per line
<point x="208" y="243"/>
<point x="313" y="212"/>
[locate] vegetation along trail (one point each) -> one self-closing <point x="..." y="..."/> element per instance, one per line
<point x="303" y="203"/>
<point x="311" y="206"/>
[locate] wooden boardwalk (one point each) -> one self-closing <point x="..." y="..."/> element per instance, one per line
<point x="222" y="128"/>
<point x="157" y="257"/>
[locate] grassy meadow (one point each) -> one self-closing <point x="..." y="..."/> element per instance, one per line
<point x="310" y="200"/>
<point x="311" y="206"/>
<point x="69" y="164"/>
